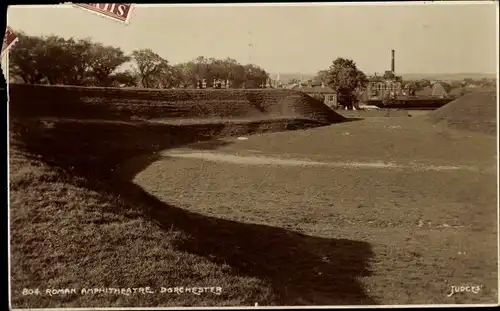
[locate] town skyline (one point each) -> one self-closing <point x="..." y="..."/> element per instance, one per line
<point x="459" y="76"/>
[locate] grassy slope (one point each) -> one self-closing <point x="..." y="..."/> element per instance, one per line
<point x="400" y="214"/>
<point x="146" y="104"/>
<point x="475" y="111"/>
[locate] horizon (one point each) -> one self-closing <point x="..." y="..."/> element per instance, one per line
<point x="409" y="29"/>
<point x="486" y="74"/>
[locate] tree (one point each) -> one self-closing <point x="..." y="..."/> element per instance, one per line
<point x="254" y="76"/>
<point x="470" y="81"/>
<point x="167" y="77"/>
<point x="487" y="83"/>
<point x="177" y="77"/>
<point x="209" y="69"/>
<point x="229" y="68"/>
<point x="388" y="100"/>
<point x="186" y="75"/>
<point x="23" y="59"/>
<point x="193" y="71"/>
<point x="56" y="60"/>
<point x="345" y="78"/>
<point x="149" y="67"/>
<point x="104" y="61"/>
<point x="124" y="79"/>
<point x="446" y="86"/>
<point x="423" y="83"/>
<point x="455" y="84"/>
<point x="79" y="62"/>
<point x="412" y="87"/>
<point x="321" y="77"/>
<point x="42" y="59"/>
<point x="202" y="69"/>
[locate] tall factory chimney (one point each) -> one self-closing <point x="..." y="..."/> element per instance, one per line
<point x="393" y="61"/>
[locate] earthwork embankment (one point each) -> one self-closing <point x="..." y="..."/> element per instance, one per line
<point x="128" y="104"/>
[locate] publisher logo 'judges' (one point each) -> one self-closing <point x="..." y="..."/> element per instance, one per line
<point x="119" y="11"/>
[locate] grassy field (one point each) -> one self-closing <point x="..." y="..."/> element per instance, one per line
<point x="114" y="204"/>
<point x="417" y="231"/>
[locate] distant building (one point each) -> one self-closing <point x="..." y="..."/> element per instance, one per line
<point x="221" y="83"/>
<point x="321" y="92"/>
<point x="274" y="83"/>
<point x="436" y="90"/>
<point x="291" y="86"/>
<point x="388" y="85"/>
<point x="201" y="84"/>
<point x="379" y="88"/>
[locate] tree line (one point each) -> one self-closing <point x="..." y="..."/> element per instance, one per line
<point x="55" y="60"/>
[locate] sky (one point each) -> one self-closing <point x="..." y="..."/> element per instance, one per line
<point x="428" y="38"/>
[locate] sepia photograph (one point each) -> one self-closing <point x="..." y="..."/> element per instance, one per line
<point x="266" y="155"/>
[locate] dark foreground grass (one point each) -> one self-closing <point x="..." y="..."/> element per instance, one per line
<point x="69" y="232"/>
<point x="75" y="225"/>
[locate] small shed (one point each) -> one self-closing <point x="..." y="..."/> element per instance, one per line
<point x="436" y="90"/>
<point x="321" y="92"/>
<point x="439" y="89"/>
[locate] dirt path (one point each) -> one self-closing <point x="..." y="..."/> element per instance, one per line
<point x="266" y="160"/>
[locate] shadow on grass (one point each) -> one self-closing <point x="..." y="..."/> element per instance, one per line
<point x="302" y="270"/>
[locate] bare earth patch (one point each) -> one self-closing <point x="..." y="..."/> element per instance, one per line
<point x="264" y="160"/>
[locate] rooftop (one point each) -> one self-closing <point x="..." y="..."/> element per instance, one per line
<point x="315" y="89"/>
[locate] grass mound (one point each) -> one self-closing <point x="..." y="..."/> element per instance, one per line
<point x="146" y="104"/>
<point x="475" y="111"/>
